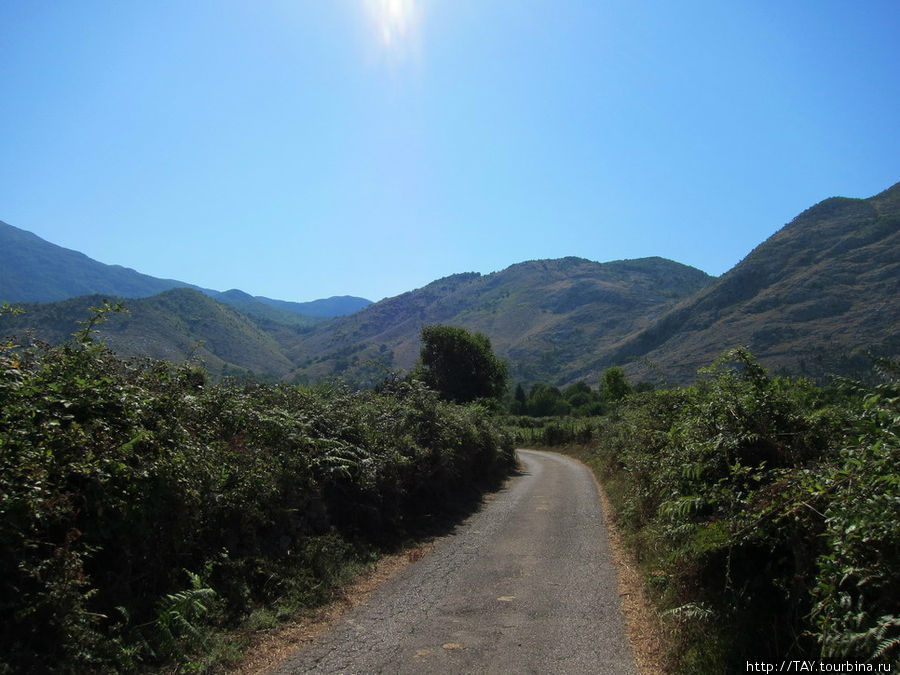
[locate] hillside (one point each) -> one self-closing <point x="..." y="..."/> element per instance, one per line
<point x="807" y="301"/>
<point x="546" y="318"/>
<point x="271" y="311"/>
<point x="175" y="325"/>
<point x="34" y="270"/>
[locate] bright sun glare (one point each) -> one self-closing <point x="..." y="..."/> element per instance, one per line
<point x="395" y="20"/>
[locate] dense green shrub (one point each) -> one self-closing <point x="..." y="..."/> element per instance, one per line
<point x="857" y="590"/>
<point x="459" y="365"/>
<point x="765" y="510"/>
<point x="141" y="503"/>
<point x="551" y="431"/>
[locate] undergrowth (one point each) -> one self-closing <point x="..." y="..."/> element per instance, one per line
<point x="143" y="507"/>
<point x="765" y="513"/>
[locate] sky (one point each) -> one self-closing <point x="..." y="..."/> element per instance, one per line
<point x="300" y="149"/>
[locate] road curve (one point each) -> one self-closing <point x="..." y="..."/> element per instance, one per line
<point x="526" y="585"/>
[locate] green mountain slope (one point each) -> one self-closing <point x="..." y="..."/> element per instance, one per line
<point x="825" y="285"/>
<point x="175" y="325"/>
<point x="34" y="270"/>
<point x="546" y="318"/>
<point x="337" y="305"/>
<point x="290" y="313"/>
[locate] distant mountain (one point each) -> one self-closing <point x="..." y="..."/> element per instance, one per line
<point x="34" y="270"/>
<point x="175" y="325"/>
<point x="806" y="301"/>
<point x="290" y="313"/>
<point x="546" y="318"/>
<point x="338" y="305"/>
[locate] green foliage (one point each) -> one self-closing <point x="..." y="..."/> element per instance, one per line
<point x="858" y="586"/>
<point x="765" y="510"/>
<point x="584" y="401"/>
<point x="545" y="400"/>
<point x="545" y="432"/>
<point x="614" y="385"/>
<point x="179" y="616"/>
<point x="116" y="476"/>
<point x="577" y="400"/>
<point x="85" y="334"/>
<point x="519" y="401"/>
<point x="178" y="325"/>
<point x="460" y="365"/>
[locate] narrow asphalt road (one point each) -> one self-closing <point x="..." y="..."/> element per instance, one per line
<point x="526" y="585"/>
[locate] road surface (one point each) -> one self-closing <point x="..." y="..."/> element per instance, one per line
<point x="526" y="585"/>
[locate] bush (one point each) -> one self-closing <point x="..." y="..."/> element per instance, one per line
<point x="765" y="511"/>
<point x="857" y="591"/>
<point x="141" y="503"/>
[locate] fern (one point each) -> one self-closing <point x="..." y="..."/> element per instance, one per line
<point x="884" y="647"/>
<point x="179" y="614"/>
<point x="690" y="612"/>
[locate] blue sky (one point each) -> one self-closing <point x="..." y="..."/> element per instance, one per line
<point x="300" y="149"/>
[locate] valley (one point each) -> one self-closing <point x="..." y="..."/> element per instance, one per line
<point x="812" y="299"/>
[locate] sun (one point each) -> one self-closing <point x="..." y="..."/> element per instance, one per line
<point x="395" y="20"/>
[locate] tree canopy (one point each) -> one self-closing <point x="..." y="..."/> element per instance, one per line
<point x="459" y="365"/>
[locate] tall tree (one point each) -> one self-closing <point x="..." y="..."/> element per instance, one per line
<point x="519" y="402"/>
<point x="614" y="386"/>
<point x="459" y="365"/>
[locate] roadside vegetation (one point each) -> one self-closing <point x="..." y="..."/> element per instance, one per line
<point x="144" y="508"/>
<point x="764" y="511"/>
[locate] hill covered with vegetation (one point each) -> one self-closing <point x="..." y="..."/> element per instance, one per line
<point x="545" y="318"/>
<point x="34" y="270"/>
<point x="178" y="325"/>
<point x="809" y="300"/>
<point x="825" y="285"/>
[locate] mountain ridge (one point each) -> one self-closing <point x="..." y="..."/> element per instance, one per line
<point x="528" y="310"/>
<point x="179" y="324"/>
<point x="847" y="246"/>
<point x="807" y="300"/>
<point x="35" y="270"/>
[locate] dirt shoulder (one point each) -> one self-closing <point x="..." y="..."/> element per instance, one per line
<point x="271" y="647"/>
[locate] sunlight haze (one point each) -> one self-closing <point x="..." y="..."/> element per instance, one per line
<point x="395" y="19"/>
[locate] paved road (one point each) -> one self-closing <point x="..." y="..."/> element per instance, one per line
<point x="526" y="585"/>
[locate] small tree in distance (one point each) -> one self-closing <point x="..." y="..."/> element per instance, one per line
<point x="614" y="386"/>
<point x="459" y="365"/>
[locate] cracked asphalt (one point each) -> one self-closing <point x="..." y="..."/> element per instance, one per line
<point x="526" y="585"/>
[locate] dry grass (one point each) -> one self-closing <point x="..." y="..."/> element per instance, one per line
<point x="641" y="620"/>
<point x="269" y="648"/>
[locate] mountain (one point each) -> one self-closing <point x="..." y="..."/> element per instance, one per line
<point x="34" y="270"/>
<point x="175" y="325"/>
<point x="546" y="318"/>
<point x="337" y="305"/>
<point x="290" y="313"/>
<point x="808" y="300"/>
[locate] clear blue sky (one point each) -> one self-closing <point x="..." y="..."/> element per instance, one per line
<point x="300" y="149"/>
